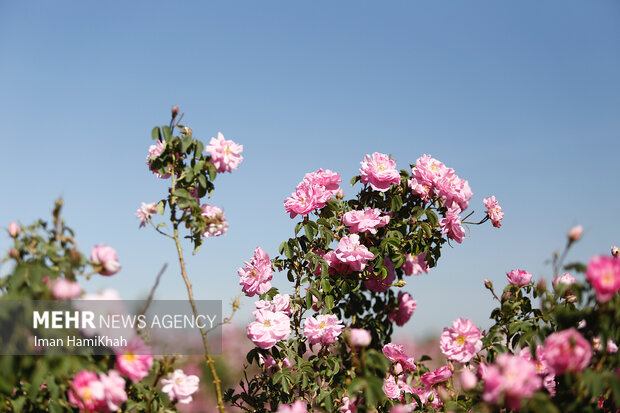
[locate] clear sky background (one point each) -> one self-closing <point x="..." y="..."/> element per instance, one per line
<point x="520" y="98"/>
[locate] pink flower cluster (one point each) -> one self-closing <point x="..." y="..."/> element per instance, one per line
<point x="461" y="342"/>
<point x="379" y="171"/>
<point x="406" y="307"/>
<point x="179" y="386"/>
<point x="396" y="383"/>
<point x="542" y="367"/>
<point x="567" y="351"/>
<point x="269" y="328"/>
<point x="603" y="273"/>
<point x="367" y="220"/>
<point x="216" y="222"/>
<point x="519" y="277"/>
<point x="511" y="379"/>
<point x="97" y="393"/>
<point x="494" y="211"/>
<point x="145" y="212"/>
<point x="323" y="329"/>
<point x="256" y="275"/>
<point x="312" y="192"/>
<point x="351" y="252"/>
<point x="225" y="154"/>
<point x="155" y="151"/>
<point x="415" y="264"/>
<point x="431" y="177"/>
<point x="104" y="258"/>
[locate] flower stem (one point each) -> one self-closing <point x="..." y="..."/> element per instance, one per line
<point x="209" y="360"/>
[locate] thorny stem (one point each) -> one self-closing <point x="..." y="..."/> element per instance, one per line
<point x="209" y="360"/>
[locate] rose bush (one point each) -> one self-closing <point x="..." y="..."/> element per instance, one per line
<point x="326" y="344"/>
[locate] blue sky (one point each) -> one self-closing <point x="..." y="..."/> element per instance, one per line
<point x="522" y="99"/>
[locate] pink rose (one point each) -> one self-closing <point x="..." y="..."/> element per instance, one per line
<point x="312" y="192"/>
<point x="603" y="273"/>
<point x="379" y="171"/>
<point x="216" y="222"/>
<point x="63" y="289"/>
<point x="451" y="224"/>
<point x="90" y="391"/>
<point x="519" y="277"/>
<point x="395" y="353"/>
<point x="155" y="151"/>
<point x="348" y="405"/>
<point x="145" y="212"/>
<point x="461" y="342"/>
<point x="179" y="386"/>
<point x="469" y="380"/>
<point x="323" y="329"/>
<point x="494" y="211"/>
<point x="415" y="264"/>
<point x="431" y="177"/>
<point x="279" y="303"/>
<point x="567" y="351"/>
<point x="390" y="387"/>
<point x="225" y="154"/>
<point x="114" y="391"/>
<point x="297" y="407"/>
<point x="512" y="377"/>
<point x="437" y="376"/>
<point x="257" y="274"/>
<point x="134" y="360"/>
<point x="358" y="337"/>
<point x="367" y="220"/>
<point x="351" y="252"/>
<point x="406" y="307"/>
<point x="269" y="328"/>
<point x="336" y="267"/>
<point x="14" y="229"/>
<point x="104" y="259"/>
<point x="565" y="279"/>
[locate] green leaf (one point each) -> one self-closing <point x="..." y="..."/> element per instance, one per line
<point x="311" y="229"/>
<point x="186" y="142"/>
<point x="354" y="180"/>
<point x="182" y="193"/>
<point x="329" y="301"/>
<point x="156" y="133"/>
<point x="202" y="181"/>
<point x="212" y="171"/>
<point x="397" y="203"/>
<point x="288" y="250"/>
<point x="199" y="147"/>
<point x="167" y="133"/>
<point x="325" y="285"/>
